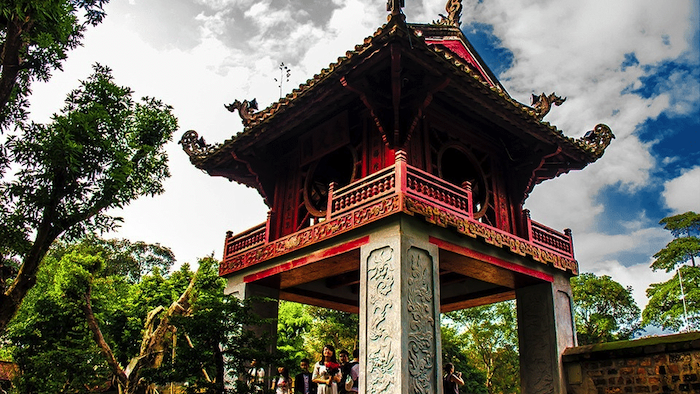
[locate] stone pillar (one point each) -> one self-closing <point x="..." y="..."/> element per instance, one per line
<point x="399" y="314"/>
<point x="545" y="330"/>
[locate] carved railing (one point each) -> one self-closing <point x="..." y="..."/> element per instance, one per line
<point x="363" y="192"/>
<point x="252" y="237"/>
<point x="549" y="238"/>
<point x="366" y="200"/>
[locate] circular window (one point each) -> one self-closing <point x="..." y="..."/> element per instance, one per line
<point x="457" y="165"/>
<point x="338" y="167"/>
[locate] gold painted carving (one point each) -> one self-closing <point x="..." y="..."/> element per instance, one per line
<point x="543" y="104"/>
<point x="491" y="236"/>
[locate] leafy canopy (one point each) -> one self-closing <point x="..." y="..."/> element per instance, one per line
<point x="666" y="300"/>
<point x="35" y="37"/>
<point x="604" y="310"/>
<point x="102" y="151"/>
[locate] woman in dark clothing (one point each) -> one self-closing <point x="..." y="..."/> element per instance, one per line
<point x="452" y="380"/>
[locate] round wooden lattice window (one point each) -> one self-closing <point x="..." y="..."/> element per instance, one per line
<point x="456" y="164"/>
<point x="337" y="166"/>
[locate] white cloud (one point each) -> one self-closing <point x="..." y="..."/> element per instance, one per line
<point x="682" y="194"/>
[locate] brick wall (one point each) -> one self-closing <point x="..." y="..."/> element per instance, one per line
<point x="663" y="364"/>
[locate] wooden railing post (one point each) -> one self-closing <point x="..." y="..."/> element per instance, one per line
<point x="329" y="203"/>
<point x="528" y="224"/>
<point x="270" y="214"/>
<point x="467" y="186"/>
<point x="400" y="163"/>
<point x="567" y="232"/>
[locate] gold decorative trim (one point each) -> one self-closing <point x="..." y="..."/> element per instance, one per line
<point x="491" y="236"/>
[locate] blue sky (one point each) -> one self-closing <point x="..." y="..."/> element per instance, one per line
<point x="631" y="64"/>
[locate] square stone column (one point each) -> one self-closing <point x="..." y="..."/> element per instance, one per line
<point x="400" y="349"/>
<point x="545" y="330"/>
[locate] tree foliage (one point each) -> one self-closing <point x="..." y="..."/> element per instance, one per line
<point x="87" y="324"/>
<point x="666" y="307"/>
<point x="35" y="37"/>
<point x="491" y="332"/>
<point x="102" y="151"/>
<point x="684" y="247"/>
<point x="455" y="350"/>
<point x="604" y="310"/>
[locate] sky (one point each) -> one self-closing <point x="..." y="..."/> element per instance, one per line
<point x="631" y="64"/>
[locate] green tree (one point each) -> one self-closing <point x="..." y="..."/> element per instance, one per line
<point x="491" y="332"/>
<point x="455" y="350"/>
<point x="338" y="328"/>
<point x="676" y="303"/>
<point x="52" y="340"/>
<point x="294" y="323"/>
<point x="86" y="321"/>
<point x="604" y="310"/>
<point x="102" y="151"/>
<point x="35" y="37"/>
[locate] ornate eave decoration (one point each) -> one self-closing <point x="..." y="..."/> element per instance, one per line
<point x="596" y="140"/>
<point x="195" y="146"/>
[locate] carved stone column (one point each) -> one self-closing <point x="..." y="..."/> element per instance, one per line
<point x="399" y="314"/>
<point x="545" y="330"/>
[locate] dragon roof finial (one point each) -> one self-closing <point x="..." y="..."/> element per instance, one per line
<point x="245" y="109"/>
<point x="454" y="12"/>
<point x="543" y="104"/>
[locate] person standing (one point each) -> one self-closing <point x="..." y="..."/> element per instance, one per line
<point x="327" y="372"/>
<point x="282" y="384"/>
<point x="344" y="358"/>
<point x="256" y="377"/>
<point x="303" y="383"/>
<point x="354" y="368"/>
<point x="452" y="380"/>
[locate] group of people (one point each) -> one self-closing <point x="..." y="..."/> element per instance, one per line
<point x="330" y="375"/>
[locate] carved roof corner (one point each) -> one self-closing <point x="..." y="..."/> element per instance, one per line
<point x="195" y="146"/>
<point x="596" y="141"/>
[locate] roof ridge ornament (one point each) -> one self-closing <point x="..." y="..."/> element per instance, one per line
<point x="394" y="7"/>
<point x="454" y="13"/>
<point x="543" y="103"/>
<point x="245" y="109"/>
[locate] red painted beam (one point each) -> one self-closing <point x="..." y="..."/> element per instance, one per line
<point x="316" y="256"/>
<point x="461" y="250"/>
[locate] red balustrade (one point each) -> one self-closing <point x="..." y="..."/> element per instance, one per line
<point x="247" y="239"/>
<point x="401" y="181"/>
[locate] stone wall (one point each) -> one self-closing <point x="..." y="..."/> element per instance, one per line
<point x="663" y="364"/>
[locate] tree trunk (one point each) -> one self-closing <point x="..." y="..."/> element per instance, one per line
<point x="100" y="340"/>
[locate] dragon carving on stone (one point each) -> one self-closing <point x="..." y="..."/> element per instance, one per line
<point x="454" y="12"/>
<point x="597" y="140"/>
<point x="543" y="104"/>
<point x="194" y="145"/>
<point x="245" y="109"/>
